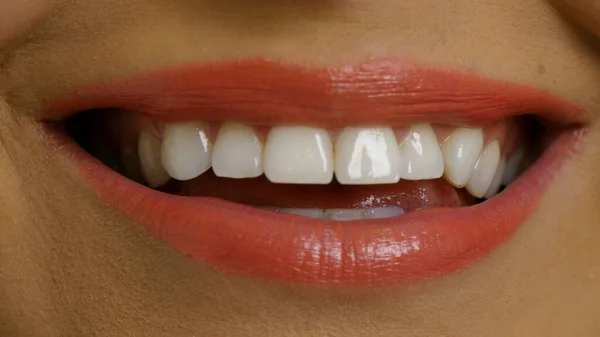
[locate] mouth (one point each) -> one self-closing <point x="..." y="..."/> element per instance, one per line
<point x="375" y="174"/>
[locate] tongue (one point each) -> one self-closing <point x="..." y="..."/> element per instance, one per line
<point x="408" y="195"/>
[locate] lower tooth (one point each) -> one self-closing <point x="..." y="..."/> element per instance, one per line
<point x="367" y="213"/>
<point x="342" y="214"/>
<point x="307" y="212"/>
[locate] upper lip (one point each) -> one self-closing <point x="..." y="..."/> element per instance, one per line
<point x="260" y="92"/>
<point x="294" y="249"/>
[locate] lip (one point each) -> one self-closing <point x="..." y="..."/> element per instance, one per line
<point x="291" y="249"/>
<point x="260" y="92"/>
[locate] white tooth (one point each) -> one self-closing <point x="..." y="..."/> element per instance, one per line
<point x="367" y="156"/>
<point x="349" y="214"/>
<point x="513" y="165"/>
<point x="495" y="186"/>
<point x="485" y="170"/>
<point x="149" y="149"/>
<point x="421" y="154"/>
<point x="237" y="152"/>
<point x="186" y="150"/>
<point x="383" y="212"/>
<point x="307" y="212"/>
<point x="344" y="214"/>
<point x="461" y="151"/>
<point x="298" y="155"/>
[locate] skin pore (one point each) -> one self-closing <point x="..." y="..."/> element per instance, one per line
<point x="72" y="266"/>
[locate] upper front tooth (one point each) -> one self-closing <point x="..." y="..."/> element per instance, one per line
<point x="186" y="150"/>
<point x="237" y="152"/>
<point x="149" y="152"/>
<point x="298" y="155"/>
<point x="461" y="151"/>
<point x="421" y="154"/>
<point x="367" y="156"/>
<point x="485" y="170"/>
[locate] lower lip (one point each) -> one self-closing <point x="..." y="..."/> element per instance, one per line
<point x="296" y="250"/>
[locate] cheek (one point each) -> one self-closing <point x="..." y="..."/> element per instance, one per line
<point x="586" y="13"/>
<point x="18" y="16"/>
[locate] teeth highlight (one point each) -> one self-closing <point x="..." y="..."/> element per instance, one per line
<point x="186" y="150"/>
<point x="421" y="154"/>
<point x="461" y="151"/>
<point x="497" y="181"/>
<point x="484" y="170"/>
<point x="237" y="152"/>
<point x="298" y="155"/>
<point x="149" y="150"/>
<point x="367" y="156"/>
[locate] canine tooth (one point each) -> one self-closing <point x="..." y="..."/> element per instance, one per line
<point x="421" y="154"/>
<point x="149" y="149"/>
<point x="367" y="156"/>
<point x="495" y="186"/>
<point x="513" y="165"/>
<point x="298" y="155"/>
<point x="461" y="151"/>
<point x="186" y="150"/>
<point x="484" y="170"/>
<point x="237" y="152"/>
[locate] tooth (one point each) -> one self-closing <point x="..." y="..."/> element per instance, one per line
<point x="298" y="155"/>
<point x="186" y="150"/>
<point x="513" y="165"/>
<point x="461" y="151"/>
<point x="383" y="212"/>
<point x="421" y="155"/>
<point x="367" y="156"/>
<point x="349" y="214"/>
<point x="495" y="186"/>
<point x="149" y="149"/>
<point x="237" y="152"/>
<point x="484" y="170"/>
<point x="307" y="212"/>
<point x="344" y="214"/>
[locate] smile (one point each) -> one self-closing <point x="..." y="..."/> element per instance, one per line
<point x="374" y="174"/>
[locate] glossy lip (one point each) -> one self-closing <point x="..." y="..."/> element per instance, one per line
<point x="292" y="249"/>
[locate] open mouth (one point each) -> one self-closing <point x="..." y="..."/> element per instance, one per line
<point x="373" y="174"/>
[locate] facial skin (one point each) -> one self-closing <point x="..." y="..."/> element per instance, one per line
<point x="71" y="266"/>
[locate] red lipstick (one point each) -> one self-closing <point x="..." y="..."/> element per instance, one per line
<point x="259" y="92"/>
<point x="292" y="249"/>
